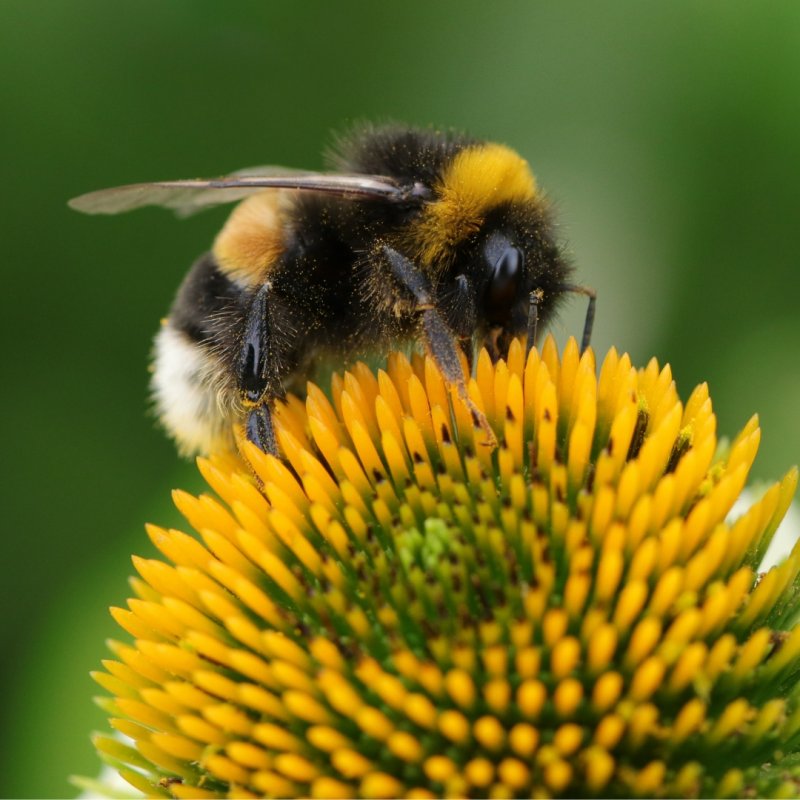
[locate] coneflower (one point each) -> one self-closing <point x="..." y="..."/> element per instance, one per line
<point x="395" y="608"/>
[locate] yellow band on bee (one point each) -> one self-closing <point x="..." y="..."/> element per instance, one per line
<point x="478" y="179"/>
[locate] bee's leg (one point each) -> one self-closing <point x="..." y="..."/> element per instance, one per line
<point x="438" y="336"/>
<point x="464" y="304"/>
<point x="259" y="429"/>
<point x="587" y="291"/>
<point x="256" y="378"/>
<point x="533" y="318"/>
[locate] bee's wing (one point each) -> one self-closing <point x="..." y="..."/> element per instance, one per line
<point x="188" y="196"/>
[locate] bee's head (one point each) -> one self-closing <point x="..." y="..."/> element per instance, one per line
<point x="486" y="287"/>
<point x="487" y="241"/>
<point x="502" y="270"/>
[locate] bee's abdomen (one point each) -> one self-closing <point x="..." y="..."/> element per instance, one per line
<point x="208" y="302"/>
<point x="192" y="384"/>
<point x="192" y="399"/>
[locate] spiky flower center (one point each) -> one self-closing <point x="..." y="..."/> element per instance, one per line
<point x="399" y="609"/>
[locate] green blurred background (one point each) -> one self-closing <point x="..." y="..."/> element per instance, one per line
<point x="668" y="135"/>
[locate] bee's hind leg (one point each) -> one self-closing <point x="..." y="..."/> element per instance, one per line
<point x="257" y="378"/>
<point x="259" y="429"/>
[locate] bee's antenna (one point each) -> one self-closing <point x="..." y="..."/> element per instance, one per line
<point x="586" y="291"/>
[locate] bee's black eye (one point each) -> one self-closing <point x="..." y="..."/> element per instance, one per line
<point x="503" y="284"/>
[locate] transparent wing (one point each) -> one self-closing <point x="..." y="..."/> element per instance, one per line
<point x="188" y="196"/>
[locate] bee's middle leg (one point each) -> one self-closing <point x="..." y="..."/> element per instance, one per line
<point x="257" y="378"/>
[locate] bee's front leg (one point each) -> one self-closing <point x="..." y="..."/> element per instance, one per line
<point x="257" y="379"/>
<point x="534" y="299"/>
<point x="438" y="336"/>
<point x="461" y="306"/>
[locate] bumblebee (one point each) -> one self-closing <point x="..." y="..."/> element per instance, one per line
<point x="414" y="235"/>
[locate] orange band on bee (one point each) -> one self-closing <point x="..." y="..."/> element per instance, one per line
<point x="252" y="239"/>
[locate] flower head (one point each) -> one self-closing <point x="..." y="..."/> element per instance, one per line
<point x="398" y="609"/>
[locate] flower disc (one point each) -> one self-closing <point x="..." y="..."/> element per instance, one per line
<point x="400" y="607"/>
